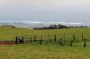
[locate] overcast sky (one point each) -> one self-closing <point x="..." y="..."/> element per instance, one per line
<point x="73" y="11"/>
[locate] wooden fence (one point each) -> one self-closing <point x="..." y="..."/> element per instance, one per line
<point x="35" y="39"/>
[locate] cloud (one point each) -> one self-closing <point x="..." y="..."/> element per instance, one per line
<point x="45" y="2"/>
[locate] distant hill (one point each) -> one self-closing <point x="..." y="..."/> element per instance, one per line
<point x="36" y="24"/>
<point x="15" y="24"/>
<point x="22" y="24"/>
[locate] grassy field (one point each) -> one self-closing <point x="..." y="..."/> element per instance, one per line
<point x="54" y="51"/>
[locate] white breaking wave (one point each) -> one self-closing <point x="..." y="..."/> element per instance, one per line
<point x="75" y="23"/>
<point x="38" y="22"/>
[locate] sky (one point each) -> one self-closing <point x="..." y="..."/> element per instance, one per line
<point x="70" y="11"/>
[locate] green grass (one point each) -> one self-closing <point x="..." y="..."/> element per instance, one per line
<point x="10" y="33"/>
<point x="54" y="51"/>
<point x="44" y="52"/>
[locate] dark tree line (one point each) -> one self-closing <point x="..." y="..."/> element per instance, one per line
<point x="59" y="26"/>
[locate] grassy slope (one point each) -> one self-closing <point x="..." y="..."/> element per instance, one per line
<point x="10" y="33"/>
<point x="28" y="51"/>
<point x="44" y="52"/>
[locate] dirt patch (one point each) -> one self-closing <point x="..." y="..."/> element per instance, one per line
<point x="7" y="42"/>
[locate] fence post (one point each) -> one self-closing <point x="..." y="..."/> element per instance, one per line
<point x="61" y="42"/>
<point x="35" y="38"/>
<point x="85" y="44"/>
<point x="30" y="40"/>
<point x="22" y="41"/>
<point x="55" y="39"/>
<point x="16" y="40"/>
<point x="49" y="38"/>
<point x="71" y="42"/>
<point x="41" y="40"/>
